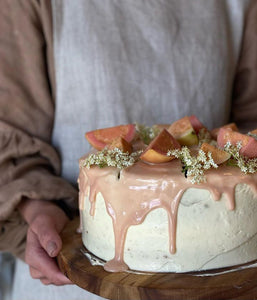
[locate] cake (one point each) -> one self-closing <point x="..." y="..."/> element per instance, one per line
<point x="185" y="201"/>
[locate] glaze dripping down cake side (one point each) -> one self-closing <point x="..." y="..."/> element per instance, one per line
<point x="151" y="220"/>
<point x="150" y="216"/>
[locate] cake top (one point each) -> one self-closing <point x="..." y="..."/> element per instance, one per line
<point x="196" y="147"/>
<point x="152" y="167"/>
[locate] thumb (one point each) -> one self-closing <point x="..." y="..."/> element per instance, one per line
<point x="48" y="236"/>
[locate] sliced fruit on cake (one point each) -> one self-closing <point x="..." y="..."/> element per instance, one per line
<point x="156" y="152"/>
<point x="196" y="123"/>
<point x="215" y="131"/>
<point x="100" y="138"/>
<point x="121" y="144"/>
<point x="183" y="131"/>
<point x="219" y="156"/>
<point x="248" y="143"/>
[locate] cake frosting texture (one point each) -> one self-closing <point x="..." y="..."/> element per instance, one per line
<point x="151" y="218"/>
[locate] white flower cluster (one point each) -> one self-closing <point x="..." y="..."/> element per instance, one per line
<point x="194" y="166"/>
<point x="247" y="165"/>
<point x="112" y="158"/>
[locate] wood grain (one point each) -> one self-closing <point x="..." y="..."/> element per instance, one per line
<point x="130" y="286"/>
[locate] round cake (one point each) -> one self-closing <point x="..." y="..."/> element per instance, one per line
<point x="151" y="216"/>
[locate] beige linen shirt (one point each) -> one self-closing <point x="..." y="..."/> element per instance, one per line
<point x="127" y="61"/>
<point x="29" y="165"/>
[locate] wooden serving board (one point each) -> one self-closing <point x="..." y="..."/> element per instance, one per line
<point x="131" y="286"/>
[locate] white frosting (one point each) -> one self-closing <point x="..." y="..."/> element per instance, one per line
<point x="208" y="235"/>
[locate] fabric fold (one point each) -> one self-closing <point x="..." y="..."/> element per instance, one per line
<point x="29" y="168"/>
<point x="244" y="109"/>
<point x="11" y="239"/>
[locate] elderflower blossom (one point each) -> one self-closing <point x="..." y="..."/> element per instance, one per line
<point x="111" y="158"/>
<point x="194" y="166"/>
<point x="247" y="165"/>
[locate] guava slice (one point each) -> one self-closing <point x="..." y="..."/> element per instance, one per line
<point x="248" y="143"/>
<point x="120" y="143"/>
<point x="156" y="152"/>
<point x="183" y="131"/>
<point x="196" y="123"/>
<point x="100" y="138"/>
<point x="215" y="131"/>
<point x="219" y="156"/>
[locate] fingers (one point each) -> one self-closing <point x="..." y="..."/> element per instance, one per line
<point x="45" y="281"/>
<point x="47" y="234"/>
<point x="35" y="274"/>
<point x="45" y="220"/>
<point x="41" y="265"/>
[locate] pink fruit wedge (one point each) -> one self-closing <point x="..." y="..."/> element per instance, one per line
<point x="219" y="156"/>
<point x="215" y="131"/>
<point x="121" y="144"/>
<point x="249" y="144"/>
<point x="183" y="131"/>
<point x="196" y="123"/>
<point x="100" y="138"/>
<point x="156" y="152"/>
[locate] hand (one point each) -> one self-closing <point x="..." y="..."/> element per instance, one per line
<point x="46" y="221"/>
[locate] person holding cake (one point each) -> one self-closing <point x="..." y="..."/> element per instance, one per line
<point x="68" y="68"/>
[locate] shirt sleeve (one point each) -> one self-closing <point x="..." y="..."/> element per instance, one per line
<point x="13" y="232"/>
<point x="244" y="105"/>
<point x="29" y="165"/>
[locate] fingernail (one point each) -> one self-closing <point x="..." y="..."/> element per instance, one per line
<point x="51" y="247"/>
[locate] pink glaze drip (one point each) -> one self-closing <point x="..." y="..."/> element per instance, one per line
<point x="83" y="189"/>
<point x="144" y="187"/>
